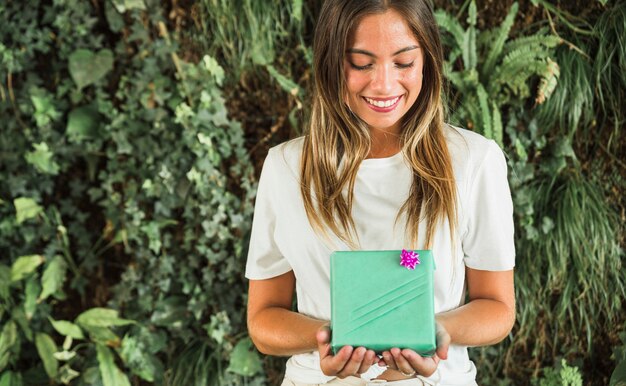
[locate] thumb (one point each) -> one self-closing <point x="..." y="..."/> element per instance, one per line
<point x="323" y="335"/>
<point x="443" y="342"/>
<point x="323" y="340"/>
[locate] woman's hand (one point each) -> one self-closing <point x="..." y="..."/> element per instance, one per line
<point x="409" y="363"/>
<point x="348" y="361"/>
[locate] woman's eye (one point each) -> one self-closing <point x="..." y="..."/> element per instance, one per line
<point x="404" y="65"/>
<point x="360" y="68"/>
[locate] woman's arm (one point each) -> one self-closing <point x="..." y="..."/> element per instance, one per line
<point x="489" y="315"/>
<point x="273" y="327"/>
<point x="486" y="319"/>
<point x="276" y="330"/>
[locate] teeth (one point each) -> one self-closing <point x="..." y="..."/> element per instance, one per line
<point x="388" y="103"/>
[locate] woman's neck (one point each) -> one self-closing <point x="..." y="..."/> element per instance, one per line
<point x="384" y="143"/>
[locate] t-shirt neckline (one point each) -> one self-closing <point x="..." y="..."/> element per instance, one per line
<point x="382" y="162"/>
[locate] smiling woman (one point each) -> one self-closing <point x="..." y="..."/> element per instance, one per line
<point x="379" y="169"/>
<point x="383" y="72"/>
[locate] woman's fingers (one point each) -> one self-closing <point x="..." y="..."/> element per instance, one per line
<point x="368" y="360"/>
<point x="421" y="365"/>
<point x="402" y="363"/>
<point x="351" y="367"/>
<point x="389" y="361"/>
<point x="443" y="342"/>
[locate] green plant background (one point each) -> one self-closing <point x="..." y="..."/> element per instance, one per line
<point x="131" y="137"/>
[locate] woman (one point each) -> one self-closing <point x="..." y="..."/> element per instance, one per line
<point x="379" y="169"/>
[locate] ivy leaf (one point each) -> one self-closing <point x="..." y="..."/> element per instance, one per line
<point x="111" y="374"/>
<point x="66" y="328"/>
<point x="41" y="159"/>
<point x="101" y="317"/>
<point x="115" y="20"/>
<point x="24" y="265"/>
<point x="53" y="277"/>
<point x="136" y="357"/>
<point x="26" y="208"/>
<point x="82" y="123"/>
<point x="124" y="5"/>
<point x="45" y="111"/>
<point x="214" y="68"/>
<point x="87" y="67"/>
<point x="244" y="359"/>
<point x="46" y="349"/>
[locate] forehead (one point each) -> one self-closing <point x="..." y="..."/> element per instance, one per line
<point x="388" y="31"/>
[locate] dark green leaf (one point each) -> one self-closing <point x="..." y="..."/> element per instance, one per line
<point x="111" y="374"/>
<point x="8" y="338"/>
<point x="82" y="123"/>
<point x="10" y="378"/>
<point x="24" y="266"/>
<point x="26" y="208"/>
<point x="136" y="357"/>
<point x="245" y="360"/>
<point x="46" y="349"/>
<point x="101" y="317"/>
<point x="87" y="67"/>
<point x="53" y="277"/>
<point x="41" y="159"/>
<point x="32" y="291"/>
<point x="124" y="5"/>
<point x="66" y="328"/>
<point x="102" y="335"/>
<point x="5" y="281"/>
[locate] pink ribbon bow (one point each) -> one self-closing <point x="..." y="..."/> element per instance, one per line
<point x="409" y="259"/>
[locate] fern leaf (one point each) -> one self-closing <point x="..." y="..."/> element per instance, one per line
<point x="469" y="40"/>
<point x="469" y="49"/>
<point x="549" y="80"/>
<point x="485" y="114"/>
<point x="496" y="118"/>
<point x="536" y="40"/>
<point x="451" y="25"/>
<point x="498" y="45"/>
<point x="471" y="16"/>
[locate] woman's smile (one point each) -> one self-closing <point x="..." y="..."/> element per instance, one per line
<point x="383" y="105"/>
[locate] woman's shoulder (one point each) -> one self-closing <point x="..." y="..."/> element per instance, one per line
<point x="468" y="147"/>
<point x="472" y="154"/>
<point x="285" y="157"/>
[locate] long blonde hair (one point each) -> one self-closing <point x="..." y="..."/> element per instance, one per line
<point x="338" y="141"/>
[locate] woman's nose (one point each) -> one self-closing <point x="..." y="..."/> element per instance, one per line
<point x="383" y="79"/>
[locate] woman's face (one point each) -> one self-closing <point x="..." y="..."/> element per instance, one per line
<point x="383" y="69"/>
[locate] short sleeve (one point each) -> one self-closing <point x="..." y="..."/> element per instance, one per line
<point x="264" y="258"/>
<point x="488" y="242"/>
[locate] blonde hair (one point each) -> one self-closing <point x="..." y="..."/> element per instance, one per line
<point x="338" y="141"/>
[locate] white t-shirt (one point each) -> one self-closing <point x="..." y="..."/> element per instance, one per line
<point x="282" y="238"/>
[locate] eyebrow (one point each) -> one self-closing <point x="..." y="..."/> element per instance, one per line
<point x="368" y="53"/>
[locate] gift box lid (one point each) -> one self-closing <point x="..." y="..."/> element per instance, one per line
<point x="378" y="303"/>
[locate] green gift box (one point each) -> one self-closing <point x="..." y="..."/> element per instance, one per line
<point x="378" y="303"/>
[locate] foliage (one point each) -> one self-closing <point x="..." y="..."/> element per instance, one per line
<point x="125" y="188"/>
<point x="618" y="377"/>
<point x="490" y="72"/>
<point x="610" y="62"/>
<point x="563" y="376"/>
